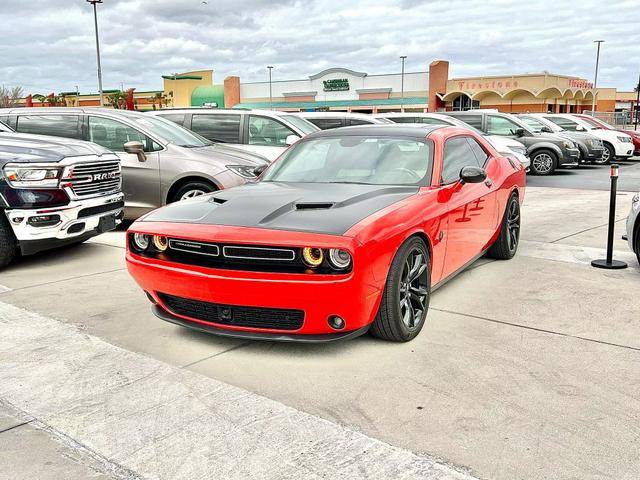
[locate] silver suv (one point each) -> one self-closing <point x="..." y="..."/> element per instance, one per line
<point x="265" y="132"/>
<point x="161" y="161"/>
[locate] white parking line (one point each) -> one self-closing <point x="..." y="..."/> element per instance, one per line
<point x="163" y="422"/>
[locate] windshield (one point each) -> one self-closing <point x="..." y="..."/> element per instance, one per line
<point x="537" y="125"/>
<point x="172" y="133"/>
<point x="355" y="159"/>
<point x="597" y="123"/>
<point x="301" y="124"/>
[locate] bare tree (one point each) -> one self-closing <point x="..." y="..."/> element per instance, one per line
<point x="9" y="96"/>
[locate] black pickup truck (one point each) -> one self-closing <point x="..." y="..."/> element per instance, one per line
<point x="55" y="192"/>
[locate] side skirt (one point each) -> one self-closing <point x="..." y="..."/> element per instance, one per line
<point x="461" y="269"/>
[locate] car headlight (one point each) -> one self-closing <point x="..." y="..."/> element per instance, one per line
<point x="245" y="171"/>
<point x="141" y="241"/>
<point x="635" y="202"/>
<point x="568" y="144"/>
<point x="521" y="150"/>
<point x="21" y="176"/>
<point x="312" y="256"/>
<point x="625" y="139"/>
<point x="339" y="259"/>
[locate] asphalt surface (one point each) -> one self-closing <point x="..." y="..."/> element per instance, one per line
<point x="527" y="369"/>
<point x="592" y="177"/>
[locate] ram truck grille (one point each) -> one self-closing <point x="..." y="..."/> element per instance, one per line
<point x="94" y="178"/>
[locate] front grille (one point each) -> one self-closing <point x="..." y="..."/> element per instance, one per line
<point x="256" y="258"/>
<point x="107" y="207"/>
<point x="253" y="317"/>
<point x="94" y="178"/>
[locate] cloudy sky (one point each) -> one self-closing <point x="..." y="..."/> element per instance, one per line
<point x="48" y="45"/>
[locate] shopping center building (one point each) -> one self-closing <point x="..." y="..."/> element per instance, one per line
<point x="351" y="90"/>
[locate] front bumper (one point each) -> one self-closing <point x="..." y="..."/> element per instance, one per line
<point x="353" y="296"/>
<point x="593" y="154"/>
<point x="76" y="221"/>
<point x="570" y="157"/>
<point x="624" y="149"/>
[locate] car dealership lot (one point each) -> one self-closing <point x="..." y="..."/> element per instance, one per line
<point x="526" y="369"/>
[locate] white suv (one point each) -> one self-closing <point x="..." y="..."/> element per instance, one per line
<point x="616" y="144"/>
<point x="265" y="132"/>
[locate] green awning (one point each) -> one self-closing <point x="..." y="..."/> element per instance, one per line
<point x="337" y="103"/>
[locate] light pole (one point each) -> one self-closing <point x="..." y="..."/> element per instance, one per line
<point x="637" y="105"/>
<point x="595" y="80"/>
<point x="95" y="21"/>
<point x="269" y="67"/>
<point x="403" y="58"/>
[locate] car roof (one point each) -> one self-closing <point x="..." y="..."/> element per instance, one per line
<point x="335" y="114"/>
<point x="44" y="148"/>
<point x="236" y="111"/>
<point x="78" y="110"/>
<point x="380" y="130"/>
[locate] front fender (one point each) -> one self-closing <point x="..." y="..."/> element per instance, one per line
<point x="545" y="146"/>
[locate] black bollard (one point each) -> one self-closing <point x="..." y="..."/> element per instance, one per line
<point x="609" y="262"/>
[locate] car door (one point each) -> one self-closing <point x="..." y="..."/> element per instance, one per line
<point x="505" y="127"/>
<point x="218" y="127"/>
<point x="57" y="125"/>
<point x="471" y="206"/>
<point x="140" y="180"/>
<point x="267" y="136"/>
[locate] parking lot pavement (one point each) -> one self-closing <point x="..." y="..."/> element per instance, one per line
<point x="526" y="369"/>
<point x="592" y="177"/>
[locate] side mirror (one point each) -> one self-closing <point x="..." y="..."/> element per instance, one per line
<point x="470" y="174"/>
<point x="519" y="132"/>
<point x="546" y="129"/>
<point x="136" y="148"/>
<point x="291" y="139"/>
<point x="259" y="169"/>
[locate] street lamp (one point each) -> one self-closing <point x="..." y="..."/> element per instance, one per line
<point x="595" y="80"/>
<point x="403" y="58"/>
<point x="95" y="20"/>
<point x="269" y="67"/>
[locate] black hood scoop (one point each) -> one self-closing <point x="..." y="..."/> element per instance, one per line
<point x="328" y="208"/>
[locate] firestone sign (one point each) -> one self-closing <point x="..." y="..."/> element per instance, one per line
<point x="577" y="83"/>
<point x="336" y="85"/>
<point x="487" y="85"/>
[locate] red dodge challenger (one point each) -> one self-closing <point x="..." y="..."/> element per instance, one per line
<point x="349" y="230"/>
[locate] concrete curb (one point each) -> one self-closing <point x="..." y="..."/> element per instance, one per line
<point x="140" y="417"/>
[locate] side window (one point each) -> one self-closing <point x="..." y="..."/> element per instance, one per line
<point x="326" y="123"/>
<point x="478" y="151"/>
<point x="113" y="135"/>
<point x="405" y="119"/>
<point x="457" y="154"/>
<point x="563" y="122"/>
<point x="432" y="121"/>
<point x="501" y="126"/>
<point x="268" y="132"/>
<point x="174" y="117"/>
<point x="55" y="125"/>
<point x="473" y="120"/>
<point x="358" y="121"/>
<point x="217" y="128"/>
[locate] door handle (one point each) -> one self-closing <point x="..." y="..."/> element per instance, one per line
<point x="488" y="182"/>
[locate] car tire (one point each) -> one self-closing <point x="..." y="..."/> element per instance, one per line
<point x="608" y="154"/>
<point x="8" y="242"/>
<point x="192" y="189"/>
<point x="506" y="245"/>
<point x="405" y="298"/>
<point x="543" y="162"/>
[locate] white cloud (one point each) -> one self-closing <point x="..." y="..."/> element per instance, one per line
<point x="48" y="45"/>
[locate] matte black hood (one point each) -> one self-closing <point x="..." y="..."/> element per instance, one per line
<point x="306" y="207"/>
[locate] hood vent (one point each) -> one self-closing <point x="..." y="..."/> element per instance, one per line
<point x="217" y="200"/>
<point x="314" y="206"/>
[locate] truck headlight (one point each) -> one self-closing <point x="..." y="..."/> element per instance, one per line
<point x="245" y="171"/>
<point x="21" y="176"/>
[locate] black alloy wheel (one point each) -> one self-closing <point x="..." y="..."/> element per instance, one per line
<point x="405" y="299"/>
<point x="506" y="245"/>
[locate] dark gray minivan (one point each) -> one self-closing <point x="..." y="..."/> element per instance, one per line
<point x="546" y="151"/>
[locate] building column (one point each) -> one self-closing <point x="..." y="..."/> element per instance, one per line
<point x="556" y="107"/>
<point x="231" y="91"/>
<point x="438" y="76"/>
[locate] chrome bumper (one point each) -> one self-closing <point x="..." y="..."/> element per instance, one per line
<point x="69" y="219"/>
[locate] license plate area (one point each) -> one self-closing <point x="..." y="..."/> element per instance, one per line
<point x="106" y="223"/>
